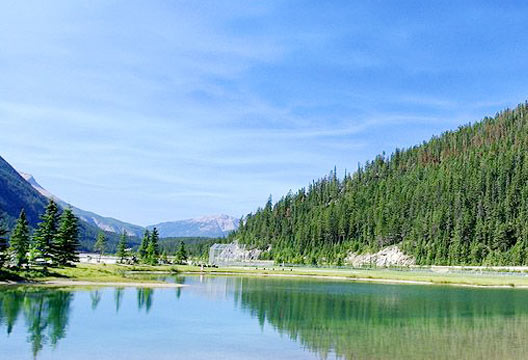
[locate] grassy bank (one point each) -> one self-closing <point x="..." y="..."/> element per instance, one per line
<point x="444" y="276"/>
<point x="101" y="273"/>
<point x="96" y="273"/>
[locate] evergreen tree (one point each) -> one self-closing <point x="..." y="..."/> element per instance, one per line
<point x="142" y="251"/>
<point x="4" y="244"/>
<point x="181" y="255"/>
<point x="20" y="240"/>
<point x="43" y="239"/>
<point x="100" y="244"/>
<point x="121" y="252"/>
<point x="66" y="242"/>
<point x="153" y="248"/>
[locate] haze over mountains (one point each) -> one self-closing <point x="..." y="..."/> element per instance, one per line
<point x="103" y="223"/>
<point x="207" y="226"/>
<point x="16" y="194"/>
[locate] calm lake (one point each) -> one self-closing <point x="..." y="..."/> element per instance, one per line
<point x="264" y="318"/>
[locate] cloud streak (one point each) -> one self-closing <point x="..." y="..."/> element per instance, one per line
<point x="163" y="110"/>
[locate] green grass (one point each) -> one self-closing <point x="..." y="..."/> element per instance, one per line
<point x="137" y="273"/>
<point x="86" y="272"/>
<point x="473" y="278"/>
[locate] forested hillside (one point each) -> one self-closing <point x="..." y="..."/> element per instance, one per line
<point x="195" y="246"/>
<point x="460" y="198"/>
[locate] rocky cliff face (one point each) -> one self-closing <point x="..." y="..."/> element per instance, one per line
<point x="229" y="253"/>
<point x="390" y="256"/>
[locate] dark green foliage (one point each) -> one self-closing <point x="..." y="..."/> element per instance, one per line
<point x="66" y="242"/>
<point x="142" y="251"/>
<point x="181" y="255"/>
<point x="101" y="244"/>
<point x="461" y="198"/>
<point x="4" y="244"/>
<point x="122" y="248"/>
<point x="20" y="240"/>
<point x="43" y="239"/>
<point x="152" y="254"/>
<point x="196" y="247"/>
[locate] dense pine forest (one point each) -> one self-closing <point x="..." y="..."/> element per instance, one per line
<point x="460" y="198"/>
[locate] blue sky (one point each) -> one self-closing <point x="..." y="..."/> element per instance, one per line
<point x="159" y="110"/>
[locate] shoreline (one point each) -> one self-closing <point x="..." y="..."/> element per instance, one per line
<point x="74" y="283"/>
<point x="367" y="280"/>
<point x="361" y="279"/>
<point x="431" y="276"/>
<point x="138" y="276"/>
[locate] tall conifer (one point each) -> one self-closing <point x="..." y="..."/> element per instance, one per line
<point x="153" y="248"/>
<point x="20" y="240"/>
<point x="43" y="240"/>
<point x="122" y="248"/>
<point x="181" y="255"/>
<point x="100" y="244"/>
<point x="66" y="242"/>
<point x="142" y="251"/>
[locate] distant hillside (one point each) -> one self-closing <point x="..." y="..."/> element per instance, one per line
<point x="104" y="223"/>
<point x="207" y="226"/>
<point x="195" y="246"/>
<point x="460" y="198"/>
<point x="16" y="194"/>
<point x="21" y="190"/>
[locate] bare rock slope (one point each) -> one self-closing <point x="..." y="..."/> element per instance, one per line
<point x="390" y="256"/>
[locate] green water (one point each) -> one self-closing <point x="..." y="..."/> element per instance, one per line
<point x="264" y="318"/>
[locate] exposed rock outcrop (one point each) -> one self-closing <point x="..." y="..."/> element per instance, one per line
<point x="228" y="253"/>
<point x="390" y="256"/>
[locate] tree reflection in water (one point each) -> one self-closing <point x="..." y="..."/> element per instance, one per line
<point x="331" y="319"/>
<point x="144" y="298"/>
<point x="367" y="321"/>
<point x="118" y="297"/>
<point x="46" y="314"/>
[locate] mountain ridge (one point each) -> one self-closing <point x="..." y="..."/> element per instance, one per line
<point x="16" y="193"/>
<point x="102" y="222"/>
<point x="206" y="226"/>
<point x="209" y="226"/>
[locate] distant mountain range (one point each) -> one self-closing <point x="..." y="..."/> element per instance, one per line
<point x="16" y="193"/>
<point x="104" y="223"/>
<point x="207" y="226"/>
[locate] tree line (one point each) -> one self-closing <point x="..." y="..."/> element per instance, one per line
<point x="148" y="252"/>
<point x="459" y="199"/>
<point x="55" y="241"/>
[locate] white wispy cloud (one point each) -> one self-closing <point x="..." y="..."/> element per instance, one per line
<point x="148" y="111"/>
